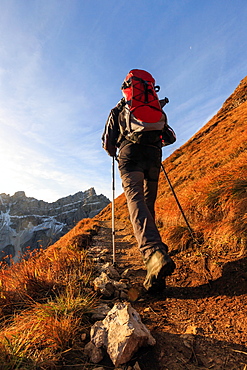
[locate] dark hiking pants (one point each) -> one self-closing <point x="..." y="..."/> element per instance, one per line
<point x="139" y="167"/>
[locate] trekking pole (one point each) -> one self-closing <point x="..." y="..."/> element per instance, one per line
<point x="178" y="203"/>
<point x="113" y="212"/>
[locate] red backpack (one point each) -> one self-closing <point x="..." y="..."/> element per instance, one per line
<point x="141" y="110"/>
<point x="139" y="91"/>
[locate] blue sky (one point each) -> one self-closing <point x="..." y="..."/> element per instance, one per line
<point x="62" y="63"/>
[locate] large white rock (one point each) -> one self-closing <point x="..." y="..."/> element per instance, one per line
<point x="122" y="333"/>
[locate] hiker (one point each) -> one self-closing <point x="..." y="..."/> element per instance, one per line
<point x="139" y="161"/>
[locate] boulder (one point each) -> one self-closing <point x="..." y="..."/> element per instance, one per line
<point x="95" y="354"/>
<point x="122" y="333"/>
<point x="104" y="285"/>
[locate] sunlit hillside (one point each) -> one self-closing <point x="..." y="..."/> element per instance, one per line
<point x="45" y="299"/>
<point x="209" y="176"/>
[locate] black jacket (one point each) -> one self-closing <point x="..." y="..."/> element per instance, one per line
<point x="114" y="138"/>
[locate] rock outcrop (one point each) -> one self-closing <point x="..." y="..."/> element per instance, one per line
<point x="28" y="223"/>
<point x="122" y="333"/>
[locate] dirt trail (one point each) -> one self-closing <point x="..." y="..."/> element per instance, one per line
<point x="201" y="321"/>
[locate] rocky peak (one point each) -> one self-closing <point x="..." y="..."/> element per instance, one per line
<point x="28" y="222"/>
<point x="19" y="194"/>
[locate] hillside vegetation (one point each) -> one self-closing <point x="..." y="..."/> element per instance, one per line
<point x="209" y="176"/>
<point x="45" y="299"/>
<point x="209" y="173"/>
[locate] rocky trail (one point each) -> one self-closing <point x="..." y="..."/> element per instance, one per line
<point x="201" y="320"/>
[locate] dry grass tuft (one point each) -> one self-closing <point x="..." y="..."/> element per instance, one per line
<point x="44" y="302"/>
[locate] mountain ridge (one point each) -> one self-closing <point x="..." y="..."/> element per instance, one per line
<point x="28" y="223"/>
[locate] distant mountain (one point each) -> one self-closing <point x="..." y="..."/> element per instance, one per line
<point x="30" y="223"/>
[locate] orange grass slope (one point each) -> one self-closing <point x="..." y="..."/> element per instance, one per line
<point x="44" y="301"/>
<point x="209" y="176"/>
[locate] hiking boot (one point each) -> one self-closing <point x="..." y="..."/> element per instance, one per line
<point x="159" y="265"/>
